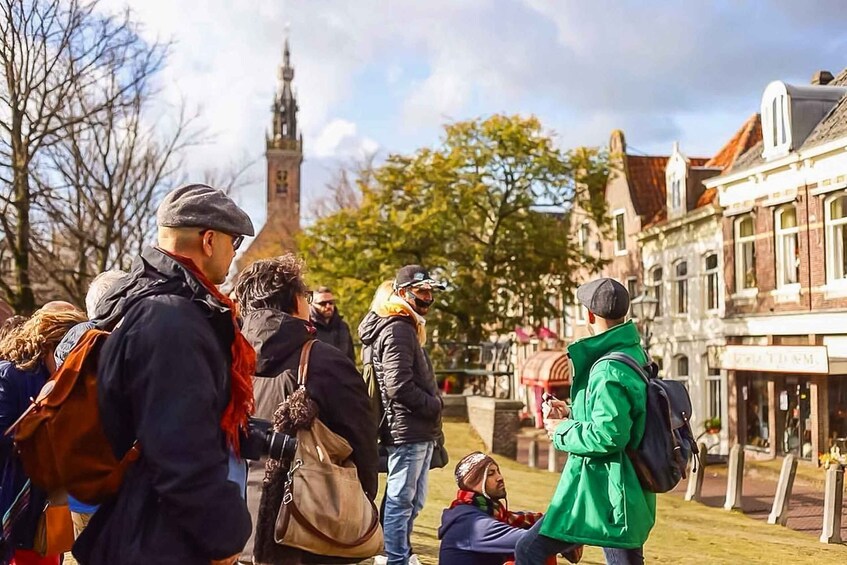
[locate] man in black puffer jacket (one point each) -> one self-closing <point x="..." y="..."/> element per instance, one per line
<point x="275" y="303"/>
<point x="395" y="332"/>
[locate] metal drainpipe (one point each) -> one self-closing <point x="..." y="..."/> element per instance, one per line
<point x="809" y="246"/>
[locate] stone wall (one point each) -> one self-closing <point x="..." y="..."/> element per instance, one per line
<point x="497" y="422"/>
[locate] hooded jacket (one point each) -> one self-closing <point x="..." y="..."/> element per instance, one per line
<point x="469" y="536"/>
<point x="164" y="379"/>
<point x="335" y="332"/>
<point x="17" y="388"/>
<point x="599" y="500"/>
<point x="333" y="383"/>
<point x="407" y="385"/>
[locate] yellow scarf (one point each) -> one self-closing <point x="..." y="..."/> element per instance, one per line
<point x="396" y="306"/>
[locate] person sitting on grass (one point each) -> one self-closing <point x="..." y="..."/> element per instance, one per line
<point x="478" y="528"/>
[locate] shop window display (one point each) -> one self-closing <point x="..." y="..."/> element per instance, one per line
<point x="755" y="396"/>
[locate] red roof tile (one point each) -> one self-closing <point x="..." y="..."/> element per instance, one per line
<point x="748" y="135"/>
<point x="646" y="177"/>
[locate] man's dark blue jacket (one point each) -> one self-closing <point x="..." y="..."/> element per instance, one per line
<point x="469" y="536"/>
<point x="164" y="379"/>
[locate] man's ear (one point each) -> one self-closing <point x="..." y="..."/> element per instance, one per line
<point x="206" y="243"/>
<point x="591" y="318"/>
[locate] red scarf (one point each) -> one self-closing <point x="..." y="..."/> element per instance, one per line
<point x="522" y="520"/>
<point x="243" y="365"/>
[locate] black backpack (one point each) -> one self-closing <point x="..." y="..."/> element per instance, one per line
<point x="661" y="459"/>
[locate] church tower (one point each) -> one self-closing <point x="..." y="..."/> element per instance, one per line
<point x="284" y="151"/>
<point x="284" y="155"/>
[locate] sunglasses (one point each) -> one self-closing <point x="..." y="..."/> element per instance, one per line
<point x="326" y="303"/>
<point x="237" y="240"/>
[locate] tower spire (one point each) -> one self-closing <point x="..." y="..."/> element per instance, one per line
<point x="285" y="104"/>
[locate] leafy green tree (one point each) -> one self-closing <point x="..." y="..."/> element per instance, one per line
<point x="487" y="210"/>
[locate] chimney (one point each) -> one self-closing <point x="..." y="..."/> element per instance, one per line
<point x="822" y="78"/>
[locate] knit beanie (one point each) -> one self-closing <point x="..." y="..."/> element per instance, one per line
<point x="471" y="471"/>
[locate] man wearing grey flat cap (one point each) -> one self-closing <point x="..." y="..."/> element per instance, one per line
<point x="599" y="500"/>
<point x="175" y="376"/>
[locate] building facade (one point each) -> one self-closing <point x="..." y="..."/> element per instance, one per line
<point x="683" y="270"/>
<point x="284" y="156"/>
<point x="784" y="262"/>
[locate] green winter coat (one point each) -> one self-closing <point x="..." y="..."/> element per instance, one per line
<point x="599" y="500"/>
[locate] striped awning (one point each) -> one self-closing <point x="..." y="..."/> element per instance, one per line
<point x="547" y="369"/>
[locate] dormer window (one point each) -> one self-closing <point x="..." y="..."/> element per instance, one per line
<point x="776" y="121"/>
<point x="675" y="174"/>
<point x="676" y="193"/>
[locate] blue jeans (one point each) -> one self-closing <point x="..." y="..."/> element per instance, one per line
<point x="405" y="493"/>
<point x="535" y="548"/>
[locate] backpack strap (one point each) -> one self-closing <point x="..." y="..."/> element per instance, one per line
<point x="303" y="369"/>
<point x="627" y="360"/>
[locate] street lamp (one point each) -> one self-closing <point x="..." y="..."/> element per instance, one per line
<point x="644" y="310"/>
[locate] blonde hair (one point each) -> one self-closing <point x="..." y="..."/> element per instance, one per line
<point x="29" y="343"/>
<point x="382" y="294"/>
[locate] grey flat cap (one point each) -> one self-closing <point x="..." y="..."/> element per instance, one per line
<point x="605" y="297"/>
<point x="201" y="206"/>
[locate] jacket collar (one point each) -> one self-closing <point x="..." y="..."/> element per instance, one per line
<point x="585" y="352"/>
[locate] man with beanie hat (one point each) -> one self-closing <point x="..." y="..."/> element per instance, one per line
<point x="174" y="380"/>
<point x="478" y="528"/>
<point x="599" y="500"/>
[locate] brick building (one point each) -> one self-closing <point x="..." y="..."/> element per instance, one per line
<point x="284" y="155"/>
<point x="785" y="270"/>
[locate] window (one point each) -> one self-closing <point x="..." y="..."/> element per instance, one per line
<point x="676" y="193"/>
<point x="584" y="238"/>
<point x="745" y="253"/>
<point x="776" y="120"/>
<point x="656" y="288"/>
<point x="282" y="182"/>
<point x="680" y="288"/>
<point x="681" y="369"/>
<point x="754" y="394"/>
<point x="632" y="289"/>
<point x="787" y="253"/>
<point x="836" y="237"/>
<point x="710" y="273"/>
<point x="620" y="233"/>
<point x="714" y="386"/>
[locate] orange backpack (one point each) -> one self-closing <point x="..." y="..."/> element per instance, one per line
<point x="60" y="439"/>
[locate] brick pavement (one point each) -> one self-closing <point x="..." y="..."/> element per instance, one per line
<point x="805" y="513"/>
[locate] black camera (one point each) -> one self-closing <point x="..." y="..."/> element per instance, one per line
<point x="260" y="440"/>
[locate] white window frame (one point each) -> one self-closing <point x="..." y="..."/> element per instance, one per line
<point x="677" y="375"/>
<point x="657" y="289"/>
<point x="622" y="215"/>
<point x="776" y="121"/>
<point x="833" y="263"/>
<point x="780" y="236"/>
<point x="676" y="193"/>
<point x="714" y="376"/>
<point x="711" y="276"/>
<point x="680" y="286"/>
<point x="740" y="279"/>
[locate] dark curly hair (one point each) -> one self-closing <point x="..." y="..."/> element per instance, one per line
<point x="271" y="283"/>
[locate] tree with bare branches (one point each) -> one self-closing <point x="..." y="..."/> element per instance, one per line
<point x="68" y="69"/>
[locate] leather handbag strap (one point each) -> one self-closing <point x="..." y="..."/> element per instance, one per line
<point x="303" y="521"/>
<point x="303" y="369"/>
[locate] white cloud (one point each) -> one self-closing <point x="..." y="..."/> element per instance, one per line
<point x="340" y="139"/>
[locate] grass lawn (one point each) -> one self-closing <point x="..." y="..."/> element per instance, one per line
<point x="685" y="532"/>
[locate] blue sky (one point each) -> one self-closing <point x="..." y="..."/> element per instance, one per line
<point x="380" y="75"/>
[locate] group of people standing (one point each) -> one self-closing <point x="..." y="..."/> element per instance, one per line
<point x="185" y="367"/>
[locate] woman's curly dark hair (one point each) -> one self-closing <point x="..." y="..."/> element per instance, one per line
<point x="271" y="283"/>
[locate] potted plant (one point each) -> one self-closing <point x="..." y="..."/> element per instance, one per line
<point x="712" y="426"/>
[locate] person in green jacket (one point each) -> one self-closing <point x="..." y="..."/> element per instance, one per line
<point x="599" y="500"/>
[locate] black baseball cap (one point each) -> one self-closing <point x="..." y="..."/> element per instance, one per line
<point x="416" y="276"/>
<point x="604" y="297"/>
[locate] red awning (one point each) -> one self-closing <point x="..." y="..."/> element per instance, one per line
<point x="547" y="369"/>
